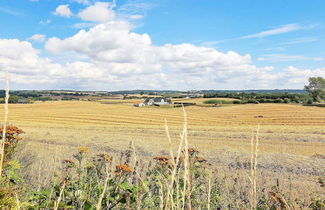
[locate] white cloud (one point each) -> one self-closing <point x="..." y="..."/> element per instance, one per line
<point x="37" y="38"/>
<point x="293" y="77"/>
<point x="280" y="30"/>
<point x="63" y="10"/>
<point x="181" y="67"/>
<point x="99" y="12"/>
<point x="116" y="51"/>
<point x="10" y="11"/>
<point x="20" y="58"/>
<point x="29" y="70"/>
<point x="110" y="56"/>
<point x="83" y="25"/>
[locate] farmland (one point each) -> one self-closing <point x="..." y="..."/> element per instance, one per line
<point x="291" y="146"/>
<point x="293" y="129"/>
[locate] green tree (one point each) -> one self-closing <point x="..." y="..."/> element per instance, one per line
<point x="316" y="88"/>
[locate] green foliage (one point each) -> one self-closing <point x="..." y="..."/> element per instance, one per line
<point x="316" y="88"/>
<point x="218" y="102"/>
<point x="317" y="203"/>
<point x="252" y="97"/>
<point x="10" y="181"/>
<point x="310" y="101"/>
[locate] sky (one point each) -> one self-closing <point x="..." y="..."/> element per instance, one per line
<point x="161" y="44"/>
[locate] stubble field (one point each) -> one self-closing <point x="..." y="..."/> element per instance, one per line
<point x="292" y="129"/>
<point x="291" y="146"/>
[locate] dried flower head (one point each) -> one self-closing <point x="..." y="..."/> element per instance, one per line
<point x="7" y="143"/>
<point x="192" y="151"/>
<point x="18" y="138"/>
<point x="123" y="168"/>
<point x="12" y="133"/>
<point x="279" y="199"/>
<point x="164" y="162"/>
<point x="161" y="158"/>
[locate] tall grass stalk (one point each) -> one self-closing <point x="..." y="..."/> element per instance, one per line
<point x="161" y="195"/>
<point x="17" y="202"/>
<point x="170" y="188"/>
<point x="253" y="177"/>
<point x="186" y="192"/>
<point x="56" y="206"/>
<point x="209" y="194"/>
<point x="6" y="112"/>
<point x="100" y="199"/>
<point x="137" y="178"/>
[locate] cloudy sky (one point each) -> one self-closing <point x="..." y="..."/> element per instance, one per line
<point x="161" y="44"/>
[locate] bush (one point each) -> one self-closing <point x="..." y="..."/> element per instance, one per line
<point x="251" y="101"/>
<point x="310" y="101"/>
<point x="218" y="102"/>
<point x="286" y="100"/>
<point x="278" y="100"/>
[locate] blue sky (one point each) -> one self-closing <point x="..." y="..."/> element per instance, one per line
<point x="165" y="44"/>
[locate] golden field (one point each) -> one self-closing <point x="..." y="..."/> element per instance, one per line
<point x="285" y="128"/>
<point x="291" y="138"/>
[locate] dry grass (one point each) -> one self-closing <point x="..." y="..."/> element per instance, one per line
<point x="292" y="129"/>
<point x="290" y="136"/>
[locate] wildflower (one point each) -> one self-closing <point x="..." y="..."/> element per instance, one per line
<point x="161" y="158"/>
<point x="105" y="157"/>
<point x="123" y="168"/>
<point x="278" y="198"/>
<point x="83" y="149"/>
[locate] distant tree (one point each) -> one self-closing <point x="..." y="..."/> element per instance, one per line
<point x="316" y="88"/>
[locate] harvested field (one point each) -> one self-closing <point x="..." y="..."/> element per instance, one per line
<point x="291" y="146"/>
<point x="292" y="129"/>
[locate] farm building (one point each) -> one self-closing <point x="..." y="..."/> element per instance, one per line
<point x="153" y="102"/>
<point x="139" y="104"/>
